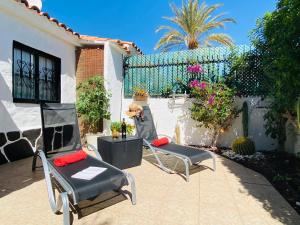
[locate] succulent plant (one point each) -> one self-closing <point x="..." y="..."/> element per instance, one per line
<point x="245" y="118"/>
<point x="243" y="146"/>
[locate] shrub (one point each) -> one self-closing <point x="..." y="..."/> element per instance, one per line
<point x="213" y="106"/>
<point x="93" y="102"/>
<point x="277" y="40"/>
<point x="298" y="112"/>
<point x="243" y="146"/>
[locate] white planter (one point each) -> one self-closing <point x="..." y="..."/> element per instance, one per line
<point x="91" y="139"/>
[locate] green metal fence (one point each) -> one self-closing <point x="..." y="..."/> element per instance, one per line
<point x="161" y="72"/>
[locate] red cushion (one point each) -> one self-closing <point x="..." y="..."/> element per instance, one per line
<point x="160" y="141"/>
<point x="70" y="158"/>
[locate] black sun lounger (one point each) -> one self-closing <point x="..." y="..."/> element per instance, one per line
<point x="60" y="134"/>
<point x="190" y="155"/>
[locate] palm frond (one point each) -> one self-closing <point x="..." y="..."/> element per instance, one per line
<point x="220" y="38"/>
<point x="190" y="24"/>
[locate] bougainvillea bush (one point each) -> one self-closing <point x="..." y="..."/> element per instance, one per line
<point x="213" y="106"/>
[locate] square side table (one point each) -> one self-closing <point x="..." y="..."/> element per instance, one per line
<point x="120" y="152"/>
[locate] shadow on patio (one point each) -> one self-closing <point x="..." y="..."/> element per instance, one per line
<point x="257" y="187"/>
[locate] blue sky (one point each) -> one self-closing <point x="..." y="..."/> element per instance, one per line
<point x="136" y="20"/>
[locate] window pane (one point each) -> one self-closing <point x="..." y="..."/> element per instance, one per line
<point x="23" y="75"/>
<point x="48" y="80"/>
<point x="35" y="75"/>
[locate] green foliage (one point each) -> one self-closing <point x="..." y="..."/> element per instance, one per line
<point x="243" y="146"/>
<point x="277" y="40"/>
<point x="245" y="119"/>
<point x="213" y="106"/>
<point x="93" y="102"/>
<point x="193" y="26"/>
<point x="129" y="128"/>
<point x="166" y="92"/>
<point x="298" y="112"/>
<point x="116" y="126"/>
<point x="245" y="73"/>
<point x="281" y="178"/>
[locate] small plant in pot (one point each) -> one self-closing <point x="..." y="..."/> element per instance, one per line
<point x="92" y="106"/>
<point x="140" y="94"/>
<point x="115" y="128"/>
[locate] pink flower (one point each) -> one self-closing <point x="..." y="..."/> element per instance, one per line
<point x="202" y="85"/>
<point x="211" y="99"/>
<point x="194" y="83"/>
<point x="195" y="69"/>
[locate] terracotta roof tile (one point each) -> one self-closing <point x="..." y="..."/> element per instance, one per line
<point x="38" y="11"/>
<point x="122" y="44"/>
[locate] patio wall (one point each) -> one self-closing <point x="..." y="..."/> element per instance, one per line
<point x="20" y="123"/>
<point x="168" y="114"/>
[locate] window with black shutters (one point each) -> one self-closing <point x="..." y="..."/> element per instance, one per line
<point x="36" y="75"/>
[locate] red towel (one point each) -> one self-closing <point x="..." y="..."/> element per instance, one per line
<point x="160" y="141"/>
<point x="70" y="158"/>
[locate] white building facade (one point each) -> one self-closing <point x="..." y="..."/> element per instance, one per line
<point x="37" y="63"/>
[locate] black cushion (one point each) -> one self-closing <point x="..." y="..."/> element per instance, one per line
<point x="110" y="179"/>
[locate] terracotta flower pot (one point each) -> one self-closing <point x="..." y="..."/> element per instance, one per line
<point x="140" y="98"/>
<point x="115" y="134"/>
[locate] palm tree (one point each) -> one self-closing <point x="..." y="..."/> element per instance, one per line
<point x="194" y="24"/>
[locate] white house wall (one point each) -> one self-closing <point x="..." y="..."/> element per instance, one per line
<point x="26" y="116"/>
<point x="113" y="75"/>
<point x="23" y="117"/>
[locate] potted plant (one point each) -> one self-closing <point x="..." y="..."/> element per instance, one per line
<point x="140" y="94"/>
<point x="130" y="128"/>
<point x="92" y="107"/>
<point x="115" y="128"/>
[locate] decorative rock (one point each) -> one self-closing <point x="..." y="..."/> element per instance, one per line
<point x="2" y="139"/>
<point x="32" y="135"/>
<point x="2" y="159"/>
<point x="13" y="136"/>
<point x="18" y="150"/>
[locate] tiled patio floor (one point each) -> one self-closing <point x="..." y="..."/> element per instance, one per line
<point x="232" y="195"/>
